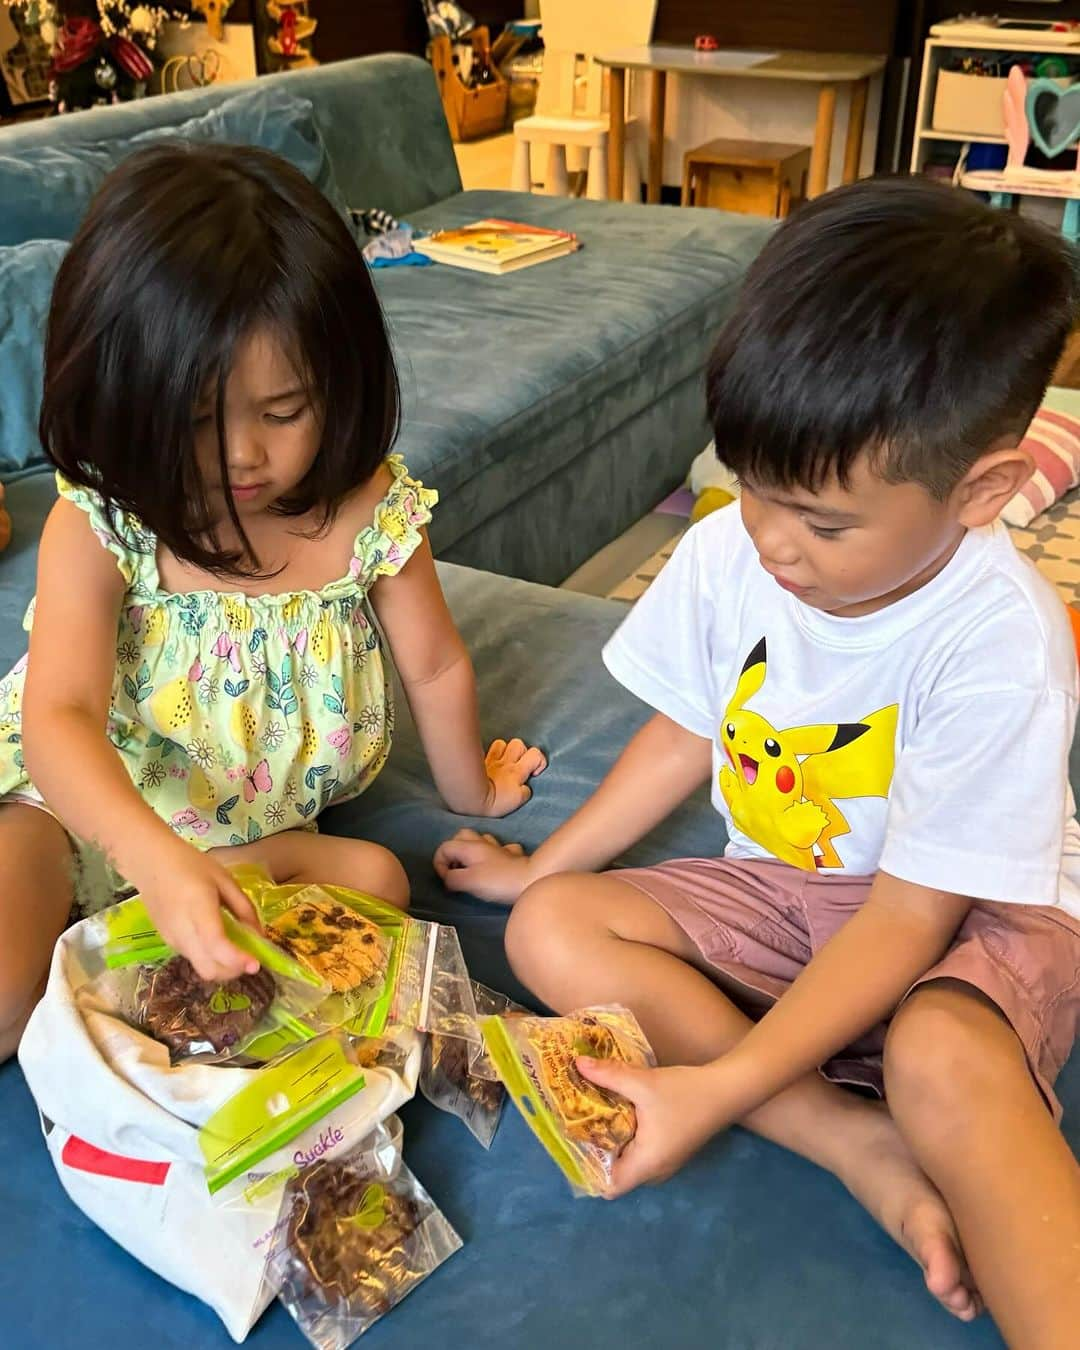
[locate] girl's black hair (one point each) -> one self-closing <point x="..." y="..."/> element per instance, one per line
<point x="896" y="317"/>
<point x="187" y="249"/>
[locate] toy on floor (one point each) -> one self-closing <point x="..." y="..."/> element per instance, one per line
<point x="5" y="523"/>
<point x="712" y="484"/>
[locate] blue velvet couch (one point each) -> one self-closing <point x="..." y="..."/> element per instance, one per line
<point x="552" y="407"/>
<point x="750" y="1248"/>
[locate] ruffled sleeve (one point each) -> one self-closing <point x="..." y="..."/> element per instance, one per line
<point x="387" y="544"/>
<point x="134" y="548"/>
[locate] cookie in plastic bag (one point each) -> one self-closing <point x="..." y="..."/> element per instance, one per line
<point x="354" y="1243"/>
<point x="189" y="1014"/>
<point x="584" y="1127"/>
<point x="457" y="1076"/>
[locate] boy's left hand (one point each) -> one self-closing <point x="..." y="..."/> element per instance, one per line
<point x="509" y="766"/>
<point x="676" y="1115"/>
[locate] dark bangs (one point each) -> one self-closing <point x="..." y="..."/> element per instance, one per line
<point x="185" y="251"/>
<point x="897" y="317"/>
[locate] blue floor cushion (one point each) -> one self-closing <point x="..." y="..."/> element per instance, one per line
<point x="749" y="1248"/>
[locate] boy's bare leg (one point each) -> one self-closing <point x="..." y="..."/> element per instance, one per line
<point x="964" y="1099"/>
<point x="36" y="890"/>
<point x="581" y="939"/>
<point x="301" y="856"/>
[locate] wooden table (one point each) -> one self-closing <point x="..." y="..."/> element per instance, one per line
<point x="826" y="69"/>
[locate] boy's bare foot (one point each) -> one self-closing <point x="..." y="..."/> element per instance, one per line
<point x="879" y="1171"/>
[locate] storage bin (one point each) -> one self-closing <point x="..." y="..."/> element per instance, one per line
<point x="971" y="105"/>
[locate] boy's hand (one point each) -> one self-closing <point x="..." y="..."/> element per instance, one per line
<point x="509" y="766"/>
<point x="479" y="865"/>
<point x="184" y="890"/>
<point x="676" y="1115"/>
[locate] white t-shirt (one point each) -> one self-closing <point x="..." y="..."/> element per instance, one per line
<point x="929" y="740"/>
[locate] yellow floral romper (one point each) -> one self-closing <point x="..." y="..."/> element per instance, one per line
<point x="239" y="716"/>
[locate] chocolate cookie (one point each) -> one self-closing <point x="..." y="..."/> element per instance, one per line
<point x="350" y="1238"/>
<point x="189" y="1014"/>
<point x="447" y="1057"/>
<point x="342" y="947"/>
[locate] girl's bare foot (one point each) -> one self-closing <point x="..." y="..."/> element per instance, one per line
<point x="879" y="1171"/>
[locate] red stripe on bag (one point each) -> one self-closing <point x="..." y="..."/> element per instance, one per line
<point x="84" y="1157"/>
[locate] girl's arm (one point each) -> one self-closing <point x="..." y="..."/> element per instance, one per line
<point x="78" y="772"/>
<point x="662" y="765"/>
<point x="859" y="977"/>
<point x="438" y="679"/>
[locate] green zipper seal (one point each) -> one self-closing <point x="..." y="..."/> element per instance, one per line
<point x="289" y="1124"/>
<point x="539" y="1118"/>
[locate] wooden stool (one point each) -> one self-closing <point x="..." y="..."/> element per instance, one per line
<point x="758" y="178"/>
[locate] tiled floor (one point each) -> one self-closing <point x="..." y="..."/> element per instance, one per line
<point x="486" y="163"/>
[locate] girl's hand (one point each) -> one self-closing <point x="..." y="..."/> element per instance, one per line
<point x="509" y="766"/>
<point x="183" y="890"/>
<point x="676" y="1114"/>
<point x="479" y="865"/>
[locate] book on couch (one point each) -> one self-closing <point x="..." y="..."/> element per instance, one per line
<point x="497" y="246"/>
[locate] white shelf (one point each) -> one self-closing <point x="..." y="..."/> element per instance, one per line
<point x="962" y="137"/>
<point x="1017" y="43"/>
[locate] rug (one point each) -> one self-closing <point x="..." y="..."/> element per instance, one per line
<point x="1052" y="542"/>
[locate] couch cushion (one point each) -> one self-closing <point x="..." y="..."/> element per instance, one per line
<point x="273" y="118"/>
<point x="380" y="117"/>
<point x="46" y="193"/>
<point x="744" y="1250"/>
<point x="556" y="357"/>
<point x="26" y="280"/>
<point x="51" y="186"/>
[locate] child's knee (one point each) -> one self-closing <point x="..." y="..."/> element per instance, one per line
<point x="946" y="1047"/>
<point x="389" y="880"/>
<point x="18" y="998"/>
<point x="538" y="924"/>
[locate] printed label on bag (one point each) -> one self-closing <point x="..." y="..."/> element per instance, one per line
<point x="280" y="1102"/>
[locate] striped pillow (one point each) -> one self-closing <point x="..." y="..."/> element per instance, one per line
<point x="1053" y="440"/>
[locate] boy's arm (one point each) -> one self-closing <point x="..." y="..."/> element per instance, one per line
<point x="660" y="767"/>
<point x="857" y="978"/>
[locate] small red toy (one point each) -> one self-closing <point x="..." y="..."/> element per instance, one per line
<point x="705" y="42"/>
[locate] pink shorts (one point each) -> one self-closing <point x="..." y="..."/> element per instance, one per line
<point x="757" y="924"/>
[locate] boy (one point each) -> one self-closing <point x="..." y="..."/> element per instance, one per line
<point x="883" y="695"/>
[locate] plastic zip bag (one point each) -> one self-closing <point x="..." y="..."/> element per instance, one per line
<point x="351" y="1245"/>
<point x="159" y="992"/>
<point x="395" y="971"/>
<point x="379" y="1153"/>
<point x="459" y="1078"/>
<point x="582" y="1126"/>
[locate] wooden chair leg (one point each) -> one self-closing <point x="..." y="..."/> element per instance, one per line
<point x="555" y="182"/>
<point x="596" y="183"/>
<point x="783" y="208"/>
<point x="632" y="175"/>
<point x="521" y="177"/>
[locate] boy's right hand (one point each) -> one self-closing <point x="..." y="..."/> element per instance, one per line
<point x="479" y="865"/>
<point x="183" y="890"/>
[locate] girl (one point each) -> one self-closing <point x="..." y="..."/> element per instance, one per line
<point x="205" y="672"/>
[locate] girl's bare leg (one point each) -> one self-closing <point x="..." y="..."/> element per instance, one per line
<point x="300" y="856"/>
<point x="36" y="892"/>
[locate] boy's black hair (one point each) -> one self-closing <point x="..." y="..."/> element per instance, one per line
<point x="898" y="317"/>
<point x="186" y="250"/>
